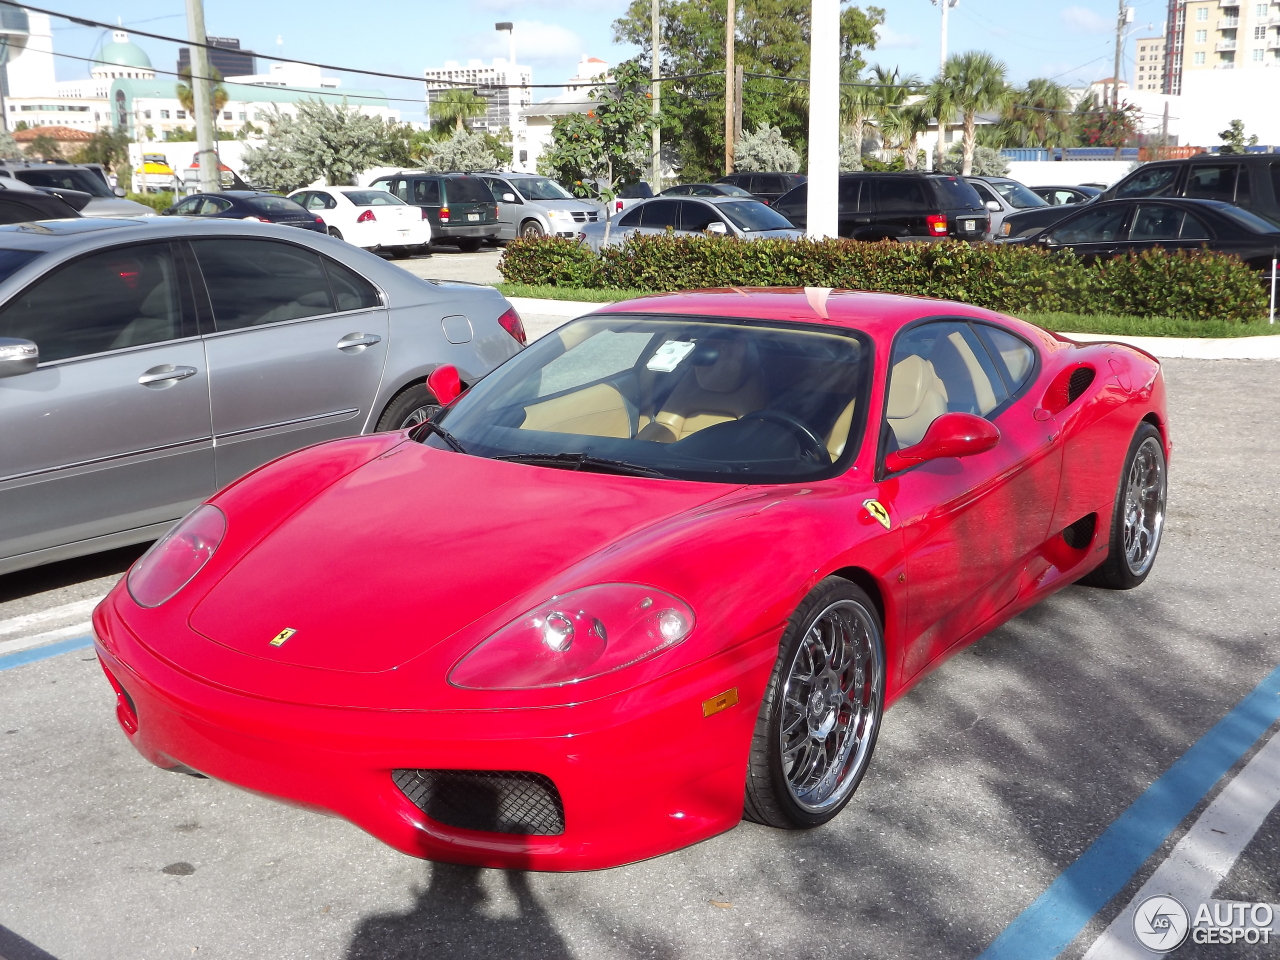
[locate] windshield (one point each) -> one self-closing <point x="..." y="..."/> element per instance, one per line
<point x="66" y="179"/>
<point x="728" y="190"/>
<point x="540" y="188"/>
<point x="275" y="205"/>
<point x="752" y="215"/>
<point x="373" y="198"/>
<point x="1017" y="195"/>
<point x="696" y="399"/>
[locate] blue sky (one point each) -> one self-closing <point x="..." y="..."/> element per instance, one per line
<point x="1067" y="40"/>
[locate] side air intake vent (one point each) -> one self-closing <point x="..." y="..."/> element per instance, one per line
<point x="1081" y="377"/>
<point x="1080" y="534"/>
<point x="495" y="801"/>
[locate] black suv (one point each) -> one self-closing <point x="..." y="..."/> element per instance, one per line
<point x="461" y="207"/>
<point x="900" y="206"/>
<point x="766" y="187"/>
<point x="1247" y="180"/>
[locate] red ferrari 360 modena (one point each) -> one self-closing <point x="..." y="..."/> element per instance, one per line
<point x="666" y="566"/>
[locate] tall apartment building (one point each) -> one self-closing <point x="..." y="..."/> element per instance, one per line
<point x="1148" y="63"/>
<point x="499" y="83"/>
<point x="1220" y="35"/>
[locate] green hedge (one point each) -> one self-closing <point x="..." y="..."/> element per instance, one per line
<point x="157" y="201"/>
<point x="1184" y="285"/>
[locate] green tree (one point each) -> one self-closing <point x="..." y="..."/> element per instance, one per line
<point x="1103" y="125"/>
<point x="217" y="92"/>
<point x="44" y="146"/>
<point x="333" y="143"/>
<point x="180" y="135"/>
<point x="1233" y="139"/>
<point x="889" y="98"/>
<point x="978" y="85"/>
<point x="772" y="37"/>
<point x="107" y="147"/>
<point x="987" y="161"/>
<point x="765" y="150"/>
<point x="466" y="151"/>
<point x="8" y="146"/>
<point x="857" y="106"/>
<point x="456" y="106"/>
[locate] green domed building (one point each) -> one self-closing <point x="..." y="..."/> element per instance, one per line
<point x="122" y="59"/>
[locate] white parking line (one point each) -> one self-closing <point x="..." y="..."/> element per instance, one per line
<point x="40" y="639"/>
<point x="1202" y="858"/>
<point x="77" y="610"/>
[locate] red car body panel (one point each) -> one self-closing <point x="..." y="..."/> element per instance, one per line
<point x="393" y="560"/>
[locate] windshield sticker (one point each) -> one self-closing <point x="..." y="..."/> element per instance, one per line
<point x="669" y="355"/>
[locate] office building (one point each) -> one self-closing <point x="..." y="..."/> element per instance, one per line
<point x="1220" y="35"/>
<point x="1148" y="63"/>
<point x="499" y="83"/>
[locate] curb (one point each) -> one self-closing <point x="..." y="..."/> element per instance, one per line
<point x="1166" y="348"/>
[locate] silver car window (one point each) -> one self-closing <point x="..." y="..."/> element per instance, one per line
<point x="254" y="282"/>
<point x="123" y="297"/>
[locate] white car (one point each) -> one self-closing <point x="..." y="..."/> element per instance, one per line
<point x="369" y="218"/>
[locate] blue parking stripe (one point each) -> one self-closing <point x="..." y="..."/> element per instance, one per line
<point x="8" y="661"/>
<point x="1048" y="926"/>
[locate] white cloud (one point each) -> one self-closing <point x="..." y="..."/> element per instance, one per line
<point x="537" y="43"/>
<point x="889" y="38"/>
<point x="1084" y="20"/>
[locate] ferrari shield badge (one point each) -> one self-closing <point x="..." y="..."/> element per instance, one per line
<point x="279" y="639"/>
<point x="877" y="511"/>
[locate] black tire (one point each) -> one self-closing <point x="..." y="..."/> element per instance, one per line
<point x="817" y="720"/>
<point x="411" y="405"/>
<point x="335" y="233"/>
<point x="1132" y="527"/>
<point x="469" y="244"/>
<point x="532" y="228"/>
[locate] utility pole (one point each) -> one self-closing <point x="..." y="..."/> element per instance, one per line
<point x="655" y="177"/>
<point x="942" y="72"/>
<point x="737" y="104"/>
<point x="1123" y="16"/>
<point x="730" y="75"/>
<point x="207" y="157"/>
<point x="824" y="120"/>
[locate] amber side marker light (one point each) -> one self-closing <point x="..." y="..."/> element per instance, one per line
<point x="720" y="702"/>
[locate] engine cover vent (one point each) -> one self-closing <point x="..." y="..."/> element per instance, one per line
<point x="1081" y="377"/>
<point x="495" y="801"/>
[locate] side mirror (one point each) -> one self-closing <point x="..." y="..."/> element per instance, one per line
<point x="994" y="206"/>
<point x="508" y="198"/>
<point x="950" y="435"/>
<point x="717" y="229"/>
<point x="119" y="191"/>
<point x="17" y="356"/>
<point x="168" y="211"/>
<point x="445" y="384"/>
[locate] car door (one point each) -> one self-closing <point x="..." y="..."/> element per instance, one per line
<point x="697" y="217"/>
<point x="968" y="524"/>
<point x="660" y="216"/>
<point x="795" y="206"/>
<point x="1164" y="225"/>
<point x="215" y="207"/>
<point x="510" y="206"/>
<point x="900" y="207"/>
<point x="855" y="207"/>
<point x="111" y="432"/>
<point x="1093" y="233"/>
<point x="297" y="351"/>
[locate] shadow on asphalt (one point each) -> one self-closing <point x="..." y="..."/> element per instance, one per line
<point x="14" y="947"/>
<point x="51" y="576"/>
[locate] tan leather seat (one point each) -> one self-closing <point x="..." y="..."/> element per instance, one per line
<point x="727" y="389"/>
<point x="917" y="397"/>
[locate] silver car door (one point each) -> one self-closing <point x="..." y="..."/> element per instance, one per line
<point x="111" y="433"/>
<point x="298" y="349"/>
<point x="509" y="210"/>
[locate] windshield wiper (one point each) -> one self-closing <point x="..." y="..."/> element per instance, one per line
<point x="583" y="461"/>
<point x="443" y="434"/>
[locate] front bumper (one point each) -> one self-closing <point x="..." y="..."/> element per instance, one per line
<point x="640" y="773"/>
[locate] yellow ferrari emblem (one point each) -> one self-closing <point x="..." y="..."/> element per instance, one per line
<point x="878" y="512"/>
<point x="282" y="636"/>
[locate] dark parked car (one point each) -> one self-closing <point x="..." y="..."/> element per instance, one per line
<point x="461" y="208"/>
<point x="901" y="206"/>
<point x="1106" y="228"/>
<point x="766" y="187"/>
<point x="707" y="190"/>
<point x="248" y="205"/>
<point x="1251" y="181"/>
<point x="24" y="204"/>
<point x="1061" y="196"/>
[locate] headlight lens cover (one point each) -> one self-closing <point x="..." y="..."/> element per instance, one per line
<point x="577" y="636"/>
<point x="177" y="557"/>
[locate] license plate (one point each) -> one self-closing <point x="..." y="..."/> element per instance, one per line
<point x="967" y="224"/>
<point x="473" y="216"/>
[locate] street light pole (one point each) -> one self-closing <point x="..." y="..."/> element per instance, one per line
<point x="202" y="100"/>
<point x="942" y="72"/>
<point x="655" y="72"/>
<point x="824" y="120"/>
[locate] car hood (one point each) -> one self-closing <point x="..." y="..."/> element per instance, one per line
<point x="415" y="546"/>
<point x="571" y="205"/>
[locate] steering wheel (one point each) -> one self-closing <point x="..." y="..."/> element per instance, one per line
<point x="810" y="443"/>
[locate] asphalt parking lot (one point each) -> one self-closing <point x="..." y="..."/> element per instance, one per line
<point x="991" y="779"/>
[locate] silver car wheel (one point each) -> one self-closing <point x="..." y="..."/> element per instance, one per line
<point x="1144" y="500"/>
<point x="418" y="415"/>
<point x="831" y="705"/>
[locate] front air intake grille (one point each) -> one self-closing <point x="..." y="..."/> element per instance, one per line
<point x="582" y="216"/>
<point x="1081" y="377"/>
<point x="495" y="801"/>
<point x="1080" y="534"/>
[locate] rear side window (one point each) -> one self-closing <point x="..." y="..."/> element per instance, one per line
<point x="796" y="202"/>
<point x="426" y="191"/>
<point x="954" y="192"/>
<point x="1149" y="182"/>
<point x="632" y="217"/>
<point x="350" y="290"/>
<point x="850" y="193"/>
<point x="275" y="205"/>
<point x="467" y="190"/>
<point x="1101" y="225"/>
<point x="1013" y="355"/>
<point x="660" y="214"/>
<point x="900" y="194"/>
<point x="1213" y="182"/>
<point x="254" y="282"/>
<point x="1156" y="221"/>
<point x="11" y="261"/>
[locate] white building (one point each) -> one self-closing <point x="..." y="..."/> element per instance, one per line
<point x="503" y="83"/>
<point x="538" y="118"/>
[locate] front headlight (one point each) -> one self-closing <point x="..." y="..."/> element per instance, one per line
<point x="559" y="214"/>
<point x="175" y="559"/>
<point x="578" y="636"/>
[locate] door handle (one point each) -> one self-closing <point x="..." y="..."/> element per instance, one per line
<point x="165" y="374"/>
<point x="355" y="342"/>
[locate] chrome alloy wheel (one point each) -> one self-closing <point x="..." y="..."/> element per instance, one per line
<point x="1144" y="496"/>
<point x="831" y="705"/>
<point x="418" y="415"/>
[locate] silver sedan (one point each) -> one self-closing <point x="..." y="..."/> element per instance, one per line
<point x="689" y="216"/>
<point x="146" y="363"/>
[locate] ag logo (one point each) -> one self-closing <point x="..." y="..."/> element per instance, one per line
<point x="1160" y="924"/>
<point x="878" y="512"/>
<point x="279" y="639"/>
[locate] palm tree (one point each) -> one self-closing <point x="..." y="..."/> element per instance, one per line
<point x="889" y="96"/>
<point x="1043" y="110"/>
<point x="857" y="104"/>
<point x="940" y="99"/>
<point x="457" y="105"/>
<point x="978" y="81"/>
<point x="217" y="92"/>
